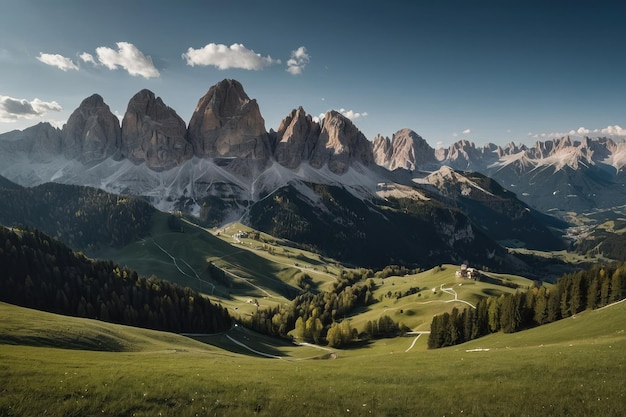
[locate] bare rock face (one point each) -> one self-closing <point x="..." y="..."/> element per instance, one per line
<point x="340" y="144"/>
<point x="41" y="142"/>
<point x="381" y="147"/>
<point x="153" y="133"/>
<point x="227" y="123"/>
<point x="92" y="133"/>
<point x="409" y="151"/>
<point x="296" y="138"/>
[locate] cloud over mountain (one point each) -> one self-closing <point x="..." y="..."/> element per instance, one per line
<point x="225" y="57"/>
<point x="128" y="57"/>
<point x="12" y="109"/>
<point x="59" y="61"/>
<point x="350" y="114"/>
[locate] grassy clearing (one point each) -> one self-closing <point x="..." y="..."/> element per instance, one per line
<point x="416" y="310"/>
<point x="574" y="367"/>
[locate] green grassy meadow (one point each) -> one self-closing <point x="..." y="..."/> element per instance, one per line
<point x="266" y="271"/>
<point x="59" y="366"/>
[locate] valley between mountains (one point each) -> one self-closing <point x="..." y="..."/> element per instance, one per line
<point x="207" y="265"/>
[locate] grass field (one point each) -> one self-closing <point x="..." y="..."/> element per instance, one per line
<point x="49" y="366"/>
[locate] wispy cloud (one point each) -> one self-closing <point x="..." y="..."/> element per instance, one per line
<point x="467" y="131"/>
<point x="128" y="57"/>
<point x="12" y="109"/>
<point x="225" y="57"/>
<point x="298" y="61"/>
<point x="59" y="61"/>
<point x="87" y="58"/>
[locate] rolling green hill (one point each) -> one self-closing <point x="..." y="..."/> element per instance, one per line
<point x="573" y="367"/>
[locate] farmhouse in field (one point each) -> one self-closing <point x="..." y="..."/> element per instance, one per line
<point x="468" y="273"/>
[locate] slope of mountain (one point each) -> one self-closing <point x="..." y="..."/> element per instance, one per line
<point x="82" y="217"/>
<point x="41" y="272"/>
<point x="375" y="232"/>
<point x="496" y="210"/>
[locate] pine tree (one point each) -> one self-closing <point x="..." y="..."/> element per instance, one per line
<point x="616" y="287"/>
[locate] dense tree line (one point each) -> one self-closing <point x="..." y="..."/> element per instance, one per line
<point x="84" y="218"/>
<point x="573" y="293"/>
<point x="604" y="242"/>
<point x="320" y="317"/>
<point x="41" y="272"/>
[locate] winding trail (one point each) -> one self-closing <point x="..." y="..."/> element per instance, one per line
<point x="187" y="265"/>
<point x="450" y="290"/>
<point x="243" y="345"/>
<point x="415" y="340"/>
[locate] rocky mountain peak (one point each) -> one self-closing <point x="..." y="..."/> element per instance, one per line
<point x="340" y="144"/>
<point x="410" y="151"/>
<point x="92" y="133"/>
<point x="296" y="138"/>
<point x="381" y="148"/>
<point x="227" y="123"/>
<point x="153" y="133"/>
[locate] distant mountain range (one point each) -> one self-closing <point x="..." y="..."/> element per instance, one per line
<point x="224" y="165"/>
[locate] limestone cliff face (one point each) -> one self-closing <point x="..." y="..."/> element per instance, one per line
<point x="410" y="151"/>
<point x="153" y="133"/>
<point x="340" y="144"/>
<point x="227" y="123"/>
<point x="92" y="133"/>
<point x="296" y="138"/>
<point x="381" y="148"/>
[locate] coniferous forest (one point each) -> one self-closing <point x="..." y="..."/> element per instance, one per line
<point x="572" y="294"/>
<point x="42" y="273"/>
<point x="84" y="218"/>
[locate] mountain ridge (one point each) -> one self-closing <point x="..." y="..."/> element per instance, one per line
<point x="228" y="131"/>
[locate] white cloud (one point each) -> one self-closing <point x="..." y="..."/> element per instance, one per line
<point x="351" y="114"/>
<point x="225" y="57"/>
<point x="454" y="135"/>
<point x="319" y="118"/>
<point x="614" y="130"/>
<point x="59" y="61"/>
<point x="298" y="61"/>
<point x="439" y="144"/>
<point x="119" y="115"/>
<point x="12" y="109"/>
<point x="580" y="131"/>
<point x="129" y="58"/>
<point x="467" y="131"/>
<point x="88" y="58"/>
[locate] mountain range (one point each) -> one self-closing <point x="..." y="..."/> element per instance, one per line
<point x="226" y="151"/>
<point x="224" y="166"/>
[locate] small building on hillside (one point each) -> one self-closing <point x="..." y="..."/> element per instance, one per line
<point x="468" y="273"/>
<point x="241" y="235"/>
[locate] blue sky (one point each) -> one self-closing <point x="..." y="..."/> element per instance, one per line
<point x="496" y="71"/>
